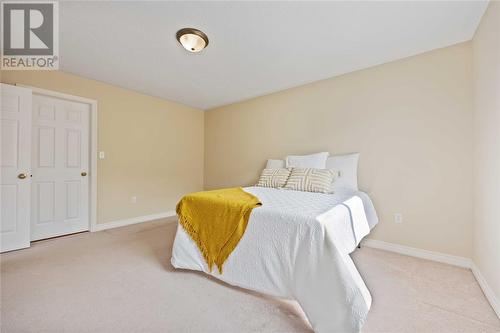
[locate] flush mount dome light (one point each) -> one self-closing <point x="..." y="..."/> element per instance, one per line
<point x="192" y="40"/>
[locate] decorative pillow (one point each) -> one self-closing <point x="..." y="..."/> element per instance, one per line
<point x="273" y="177"/>
<point x="310" y="180"/>
<point x="347" y="166"/>
<point x="316" y="161"/>
<point x="275" y="164"/>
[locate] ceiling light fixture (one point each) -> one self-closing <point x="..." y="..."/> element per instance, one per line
<point x="192" y="40"/>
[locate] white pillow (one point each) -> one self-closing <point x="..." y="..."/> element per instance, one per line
<point x="347" y="166"/>
<point x="275" y="164"/>
<point x="315" y="161"/>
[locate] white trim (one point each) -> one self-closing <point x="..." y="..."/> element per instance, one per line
<point x="488" y="292"/>
<point x="93" y="143"/>
<point x="58" y="94"/>
<point x="419" y="253"/>
<point x="133" y="220"/>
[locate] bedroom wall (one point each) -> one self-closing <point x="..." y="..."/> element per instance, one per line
<point x="154" y="147"/>
<point x="486" y="69"/>
<point x="411" y="120"/>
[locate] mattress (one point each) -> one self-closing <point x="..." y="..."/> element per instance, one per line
<point x="297" y="246"/>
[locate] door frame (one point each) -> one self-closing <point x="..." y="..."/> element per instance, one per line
<point x="92" y="144"/>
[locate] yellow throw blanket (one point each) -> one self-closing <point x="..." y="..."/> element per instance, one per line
<point x="216" y="221"/>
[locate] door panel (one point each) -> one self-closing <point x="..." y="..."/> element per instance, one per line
<point x="46" y="147"/>
<point x="61" y="149"/>
<point x="73" y="148"/>
<point x="15" y="160"/>
<point x="73" y="190"/>
<point x="10" y="142"/>
<point x="9" y="216"/>
<point x="46" y="201"/>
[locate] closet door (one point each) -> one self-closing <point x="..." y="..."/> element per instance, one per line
<point x="60" y="190"/>
<point x="15" y="177"/>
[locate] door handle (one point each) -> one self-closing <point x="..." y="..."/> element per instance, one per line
<point x="83" y="174"/>
<point x="22" y="176"/>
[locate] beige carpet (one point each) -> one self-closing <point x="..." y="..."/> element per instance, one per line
<point x="121" y="280"/>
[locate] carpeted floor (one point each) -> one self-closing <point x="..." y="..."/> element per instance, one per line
<point x="121" y="280"/>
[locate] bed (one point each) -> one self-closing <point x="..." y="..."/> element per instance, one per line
<point x="297" y="246"/>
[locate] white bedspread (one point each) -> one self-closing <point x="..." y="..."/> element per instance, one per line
<point x="297" y="246"/>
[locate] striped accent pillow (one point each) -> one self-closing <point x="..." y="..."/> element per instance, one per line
<point x="311" y="180"/>
<point x="273" y="177"/>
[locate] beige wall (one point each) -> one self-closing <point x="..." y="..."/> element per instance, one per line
<point x="486" y="69"/>
<point x="411" y="120"/>
<point x="154" y="148"/>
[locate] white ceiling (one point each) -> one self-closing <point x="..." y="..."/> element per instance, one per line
<point x="255" y="47"/>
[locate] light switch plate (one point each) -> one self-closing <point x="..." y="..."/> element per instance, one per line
<point x="102" y="155"/>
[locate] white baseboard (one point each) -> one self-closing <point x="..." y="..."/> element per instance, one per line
<point x="133" y="220"/>
<point x="488" y="292"/>
<point x="440" y="257"/>
<point x="419" y="253"/>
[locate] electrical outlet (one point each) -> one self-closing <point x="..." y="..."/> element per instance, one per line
<point x="398" y="218"/>
<point x="133" y="199"/>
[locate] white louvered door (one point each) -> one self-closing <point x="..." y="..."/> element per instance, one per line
<point x="15" y="180"/>
<point x="60" y="160"/>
